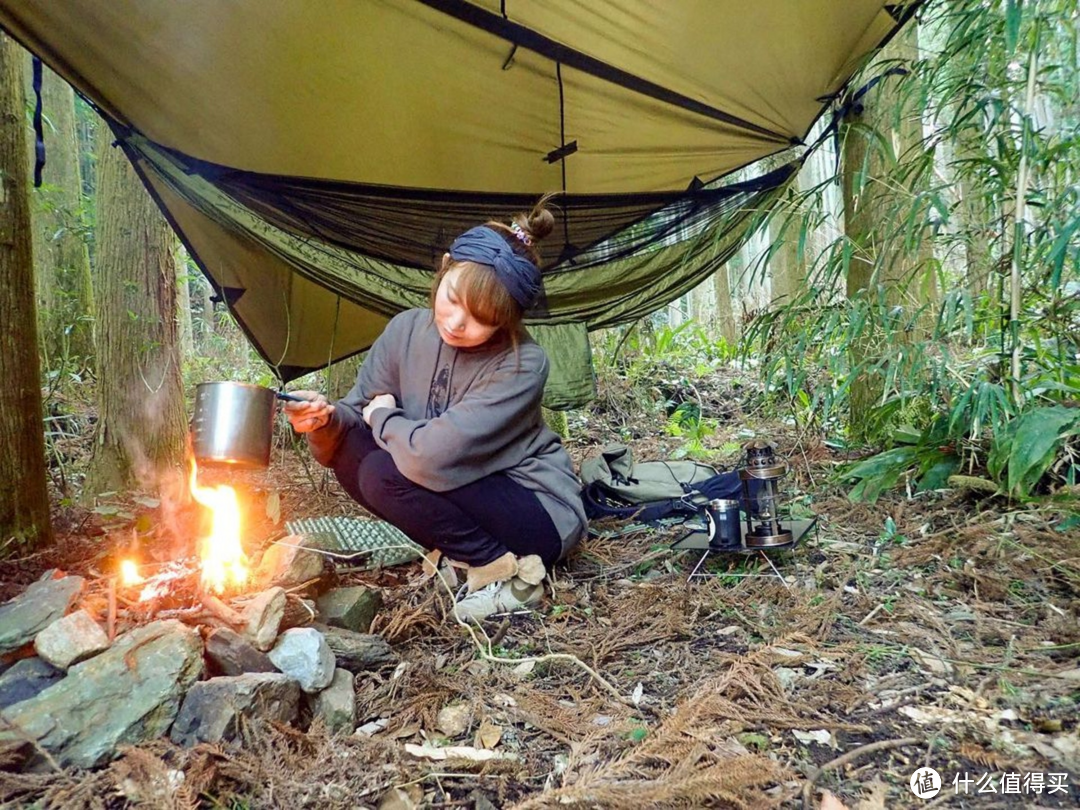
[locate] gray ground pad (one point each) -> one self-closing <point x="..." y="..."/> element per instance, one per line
<point x="386" y="544"/>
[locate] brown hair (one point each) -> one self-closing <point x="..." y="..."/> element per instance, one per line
<point x="486" y="297"/>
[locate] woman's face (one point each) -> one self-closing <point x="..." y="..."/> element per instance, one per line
<point x="456" y="325"/>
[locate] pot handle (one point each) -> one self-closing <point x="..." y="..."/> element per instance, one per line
<point x="288" y="397"/>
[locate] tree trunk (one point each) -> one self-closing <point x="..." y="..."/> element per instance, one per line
<point x="61" y="260"/>
<point x="976" y="218"/>
<point x="183" y="304"/>
<point x="208" y="325"/>
<point x="787" y="268"/>
<point x="887" y="273"/>
<point x="341" y="377"/>
<point x="24" y="499"/>
<point x="141" y="425"/>
<point x="725" y="316"/>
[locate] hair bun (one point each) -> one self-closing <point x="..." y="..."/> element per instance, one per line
<point x="540" y="222"/>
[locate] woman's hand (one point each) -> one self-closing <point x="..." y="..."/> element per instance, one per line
<point x="310" y="415"/>
<point x="381" y="401"/>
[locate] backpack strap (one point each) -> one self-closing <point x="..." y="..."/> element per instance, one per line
<point x="599" y="506"/>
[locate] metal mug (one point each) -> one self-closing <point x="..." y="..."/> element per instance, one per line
<point x="233" y="423"/>
<point x="725" y="524"/>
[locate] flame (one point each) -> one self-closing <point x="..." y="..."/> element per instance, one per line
<point x="223" y="560"/>
<point x="153" y="587"/>
<point x="129" y="573"/>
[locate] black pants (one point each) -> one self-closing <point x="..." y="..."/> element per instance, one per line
<point x="474" y="524"/>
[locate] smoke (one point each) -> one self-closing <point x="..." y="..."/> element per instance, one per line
<point x="157" y="452"/>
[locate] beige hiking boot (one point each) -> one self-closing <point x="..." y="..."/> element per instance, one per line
<point x="504" y="585"/>
<point x="506" y="596"/>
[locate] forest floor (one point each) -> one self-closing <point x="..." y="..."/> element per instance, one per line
<point x="948" y="637"/>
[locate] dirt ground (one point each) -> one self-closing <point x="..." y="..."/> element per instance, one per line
<point x="948" y="639"/>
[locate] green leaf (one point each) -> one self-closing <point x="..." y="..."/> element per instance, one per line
<point x="1035" y="445"/>
<point x="907" y="434"/>
<point x="1013" y="17"/>
<point x="879" y="473"/>
<point x="937" y="476"/>
<point x="106" y="509"/>
<point x="1069" y="523"/>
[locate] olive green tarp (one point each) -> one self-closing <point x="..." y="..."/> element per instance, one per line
<point x="317" y="158"/>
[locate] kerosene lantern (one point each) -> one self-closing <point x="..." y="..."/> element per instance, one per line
<point x="761" y="491"/>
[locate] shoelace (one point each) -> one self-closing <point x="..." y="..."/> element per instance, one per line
<point x="463" y="591"/>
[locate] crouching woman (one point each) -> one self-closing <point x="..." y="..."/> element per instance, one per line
<point x="442" y="435"/>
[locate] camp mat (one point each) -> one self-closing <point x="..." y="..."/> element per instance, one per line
<point x="385" y="544"/>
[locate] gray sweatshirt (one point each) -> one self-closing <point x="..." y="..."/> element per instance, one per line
<point x="462" y="414"/>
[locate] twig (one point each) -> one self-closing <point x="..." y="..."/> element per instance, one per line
<point x="112" y="610"/>
<point x="850" y="756"/>
<point x="622" y="340"/>
<point x="888" y="707"/>
<point x="872" y="614"/>
<point x="500" y="634"/>
<point x="221" y="610"/>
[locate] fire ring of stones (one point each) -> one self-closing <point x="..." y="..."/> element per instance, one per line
<point x="85" y="665"/>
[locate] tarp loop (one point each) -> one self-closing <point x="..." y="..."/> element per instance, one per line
<point x="39" y="130"/>
<point x="852" y="104"/>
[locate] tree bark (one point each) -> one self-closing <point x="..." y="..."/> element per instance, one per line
<point x="725" y="316"/>
<point x="890" y="275"/>
<point x="24" y="499"/>
<point x="976" y="215"/>
<point x="141" y="425"/>
<point x="61" y="259"/>
<point x="787" y="268"/>
<point x="183" y="304"/>
<point x="208" y="327"/>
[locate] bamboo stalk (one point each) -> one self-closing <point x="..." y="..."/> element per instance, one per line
<point x="1019" y="225"/>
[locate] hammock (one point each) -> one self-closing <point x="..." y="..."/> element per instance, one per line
<point x="317" y="159"/>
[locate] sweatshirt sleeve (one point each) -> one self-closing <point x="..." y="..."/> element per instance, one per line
<point x="486" y="432"/>
<point x="377" y="375"/>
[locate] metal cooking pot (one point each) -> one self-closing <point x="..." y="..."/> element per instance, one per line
<point x="233" y="423"/>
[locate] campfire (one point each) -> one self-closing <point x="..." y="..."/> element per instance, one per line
<point x="181" y="647"/>
<point x="222" y="563"/>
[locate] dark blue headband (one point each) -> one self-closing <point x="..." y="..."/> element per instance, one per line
<point x="484" y="246"/>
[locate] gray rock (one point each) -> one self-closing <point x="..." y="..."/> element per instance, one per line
<point x="26" y="679"/>
<point x="232" y="654"/>
<point x="71" y="639"/>
<point x="336" y="704"/>
<point x="303" y="654"/>
<point x="213" y="709"/>
<point x="128" y="694"/>
<point x="263" y="618"/>
<point x="350" y="608"/>
<point x="23" y="617"/>
<point x="454" y="720"/>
